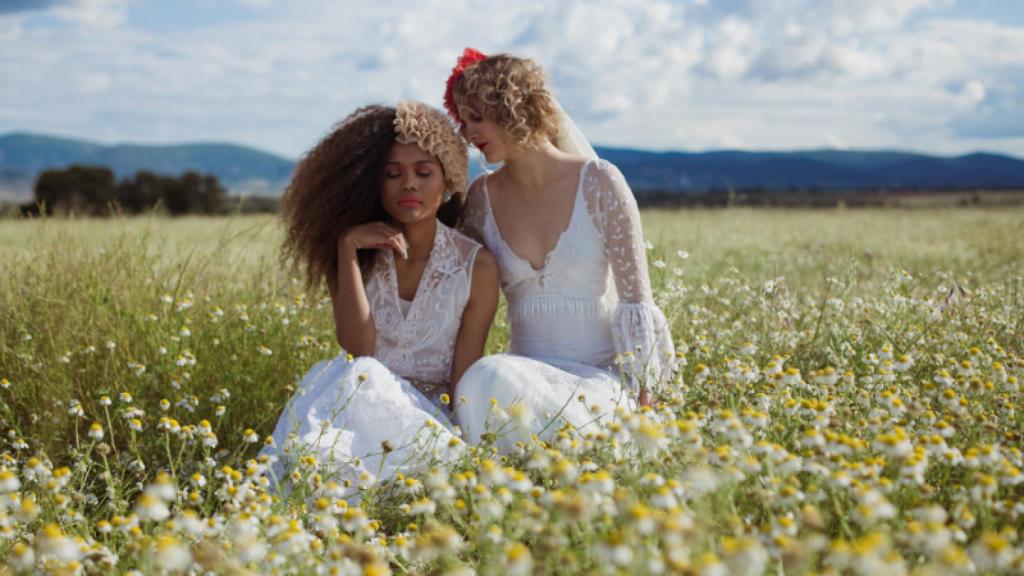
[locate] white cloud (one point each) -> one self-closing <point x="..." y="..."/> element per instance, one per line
<point x="105" y="14"/>
<point x="993" y="111"/>
<point x="974" y="92"/>
<point x="854" y="16"/>
<point x="645" y="73"/>
<point x="10" y="30"/>
<point x="731" y="43"/>
<point x="90" y="83"/>
<point x="257" y="3"/>
<point x="836" y="143"/>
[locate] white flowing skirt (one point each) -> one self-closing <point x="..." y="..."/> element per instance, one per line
<point x="342" y="414"/>
<point x="515" y="397"/>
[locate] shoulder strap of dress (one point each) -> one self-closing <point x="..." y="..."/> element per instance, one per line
<point x="461" y="242"/>
<point x="469" y="265"/>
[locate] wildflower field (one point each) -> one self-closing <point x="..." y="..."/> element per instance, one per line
<point x="849" y="401"/>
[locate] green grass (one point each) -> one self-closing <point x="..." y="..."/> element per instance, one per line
<point x="805" y="244"/>
<point x="185" y="310"/>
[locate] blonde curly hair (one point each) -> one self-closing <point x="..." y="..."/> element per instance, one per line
<point x="431" y="130"/>
<point x="512" y="92"/>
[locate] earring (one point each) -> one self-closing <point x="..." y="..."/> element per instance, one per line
<point x="446" y="196"/>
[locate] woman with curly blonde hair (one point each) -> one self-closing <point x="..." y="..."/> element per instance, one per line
<point x="565" y="230"/>
<point x="369" y="213"/>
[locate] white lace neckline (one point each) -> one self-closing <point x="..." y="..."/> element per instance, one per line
<point x="417" y="343"/>
<point x="411" y="306"/>
<point x="558" y="243"/>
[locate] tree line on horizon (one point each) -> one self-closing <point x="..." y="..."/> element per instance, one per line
<point x="90" y="190"/>
<point x="95" y="191"/>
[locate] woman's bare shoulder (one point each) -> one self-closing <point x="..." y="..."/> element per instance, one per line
<point x="573" y="162"/>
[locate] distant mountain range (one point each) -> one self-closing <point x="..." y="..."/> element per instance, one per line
<point x="242" y="170"/>
<point x="818" y="169"/>
<point x="248" y="171"/>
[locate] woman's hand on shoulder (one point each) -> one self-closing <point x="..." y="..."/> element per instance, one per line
<point x="372" y="235"/>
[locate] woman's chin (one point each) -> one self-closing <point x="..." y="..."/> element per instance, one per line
<point x="407" y="216"/>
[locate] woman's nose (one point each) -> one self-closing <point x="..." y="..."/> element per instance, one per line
<point x="409" y="181"/>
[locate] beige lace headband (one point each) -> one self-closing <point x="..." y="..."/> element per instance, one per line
<point x="431" y="130"/>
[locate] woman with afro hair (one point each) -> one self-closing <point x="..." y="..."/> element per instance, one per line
<point x="370" y="213"/>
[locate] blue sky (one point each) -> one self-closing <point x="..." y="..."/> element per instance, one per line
<point x="939" y="76"/>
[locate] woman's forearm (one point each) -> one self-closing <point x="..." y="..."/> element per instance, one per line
<point x="353" y="323"/>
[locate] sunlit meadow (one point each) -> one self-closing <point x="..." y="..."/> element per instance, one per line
<point x="848" y="401"/>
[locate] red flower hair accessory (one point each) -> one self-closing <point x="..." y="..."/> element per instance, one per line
<point x="469" y="57"/>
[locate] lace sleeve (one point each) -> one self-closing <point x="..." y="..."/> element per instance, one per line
<point x="473" y="213"/>
<point x="639" y="328"/>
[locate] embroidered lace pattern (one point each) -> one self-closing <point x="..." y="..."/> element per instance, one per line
<point x="591" y="301"/>
<point x="418" y="346"/>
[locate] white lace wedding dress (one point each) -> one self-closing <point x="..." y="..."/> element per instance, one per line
<point x="344" y="410"/>
<point x="588" y="305"/>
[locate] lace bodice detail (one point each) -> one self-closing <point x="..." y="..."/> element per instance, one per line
<point x="419" y="345"/>
<point x="591" y="301"/>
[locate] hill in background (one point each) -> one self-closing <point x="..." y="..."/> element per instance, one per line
<point x="251" y="172"/>
<point x="242" y="170"/>
<point x="822" y="170"/>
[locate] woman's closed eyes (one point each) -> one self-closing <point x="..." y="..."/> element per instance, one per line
<point x="421" y="171"/>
